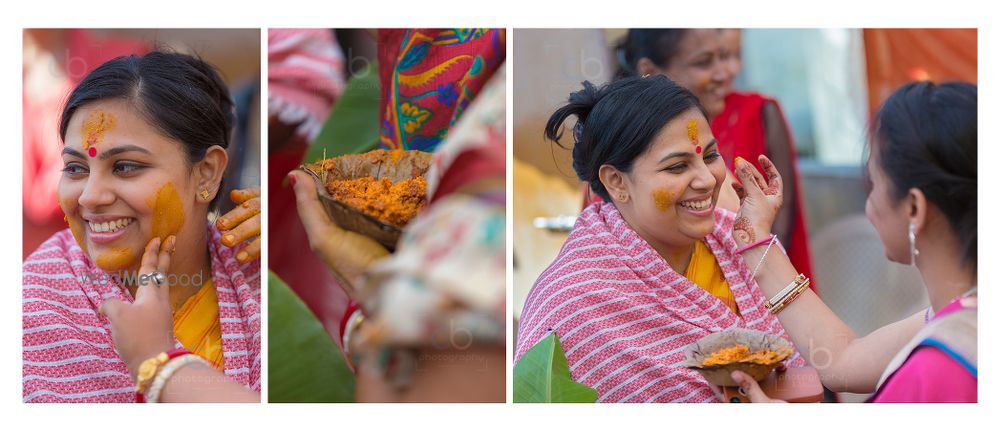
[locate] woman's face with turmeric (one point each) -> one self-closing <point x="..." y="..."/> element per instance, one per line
<point x="673" y="187"/>
<point x="123" y="183"/>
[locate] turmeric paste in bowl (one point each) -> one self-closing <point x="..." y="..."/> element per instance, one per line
<point x="376" y="193"/>
<point x="753" y="352"/>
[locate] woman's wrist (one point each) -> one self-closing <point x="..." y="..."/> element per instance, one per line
<point x="133" y="364"/>
<point x="774" y="270"/>
<point x="746" y="231"/>
<point x="151" y="369"/>
<point x="766" y="241"/>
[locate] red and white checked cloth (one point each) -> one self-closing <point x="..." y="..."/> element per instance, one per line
<point x="624" y="316"/>
<point x="67" y="348"/>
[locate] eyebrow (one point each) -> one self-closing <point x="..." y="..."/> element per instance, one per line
<point x="111" y="152"/>
<point x="73" y="152"/>
<point x="688" y="154"/>
<point x="699" y="54"/>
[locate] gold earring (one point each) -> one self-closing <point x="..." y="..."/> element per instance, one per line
<point x="204" y="194"/>
<point x="623" y="197"/>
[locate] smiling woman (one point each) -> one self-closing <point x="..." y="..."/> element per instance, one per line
<point x="654" y="266"/>
<point x="144" y="153"/>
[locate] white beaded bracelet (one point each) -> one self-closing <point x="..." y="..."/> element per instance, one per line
<point x="167" y="371"/>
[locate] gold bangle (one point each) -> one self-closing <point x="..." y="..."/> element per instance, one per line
<point x="148" y="370"/>
<point x="790" y="298"/>
<point x="167" y="371"/>
<point x="792" y="286"/>
<point x="794" y="295"/>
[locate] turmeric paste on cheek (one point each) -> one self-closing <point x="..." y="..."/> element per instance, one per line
<point x="116" y="259"/>
<point x="168" y="212"/>
<point x="75" y="225"/>
<point x="663" y="199"/>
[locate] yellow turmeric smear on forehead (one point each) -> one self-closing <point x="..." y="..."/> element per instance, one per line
<point x="116" y="259"/>
<point x="692" y="127"/>
<point x="94" y="127"/>
<point x="168" y="212"/>
<point x="663" y="199"/>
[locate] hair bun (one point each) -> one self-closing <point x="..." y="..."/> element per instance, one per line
<point x="581" y="103"/>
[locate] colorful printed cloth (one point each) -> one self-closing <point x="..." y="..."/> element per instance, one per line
<point x="428" y="78"/>
<point x="624" y="316"/>
<point x="68" y="352"/>
<point x="305" y="75"/>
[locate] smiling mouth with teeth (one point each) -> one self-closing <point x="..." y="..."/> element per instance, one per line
<point x="704" y="204"/>
<point x="110" y="226"/>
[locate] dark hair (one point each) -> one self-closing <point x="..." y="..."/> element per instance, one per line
<point x="926" y="136"/>
<point x="617" y="122"/>
<point x="180" y="95"/>
<point x="660" y="45"/>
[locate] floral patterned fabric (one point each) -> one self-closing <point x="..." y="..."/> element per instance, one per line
<point x="429" y="77"/>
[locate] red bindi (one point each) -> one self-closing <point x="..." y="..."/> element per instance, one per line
<point x="697" y="149"/>
<point x="92" y="151"/>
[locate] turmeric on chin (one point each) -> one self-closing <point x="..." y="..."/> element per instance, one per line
<point x="391" y="203"/>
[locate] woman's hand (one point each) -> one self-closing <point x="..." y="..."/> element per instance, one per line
<point x="242" y="223"/>
<point x="347" y="253"/>
<point x="751" y="388"/>
<point x="760" y="200"/>
<point x="144" y="328"/>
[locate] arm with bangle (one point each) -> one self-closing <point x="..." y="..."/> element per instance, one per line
<point x="142" y="332"/>
<point x="200" y="382"/>
<point x="845" y="361"/>
<point x="181" y="376"/>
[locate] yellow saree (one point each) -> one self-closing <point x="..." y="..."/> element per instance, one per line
<point x="704" y="271"/>
<point x="196" y="325"/>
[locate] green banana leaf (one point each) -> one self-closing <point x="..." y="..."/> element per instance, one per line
<point x="352" y="126"/>
<point x="304" y="364"/>
<point x="542" y="376"/>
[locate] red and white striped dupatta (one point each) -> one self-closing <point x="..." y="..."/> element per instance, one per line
<point x="68" y="352"/>
<point x="624" y="316"/>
